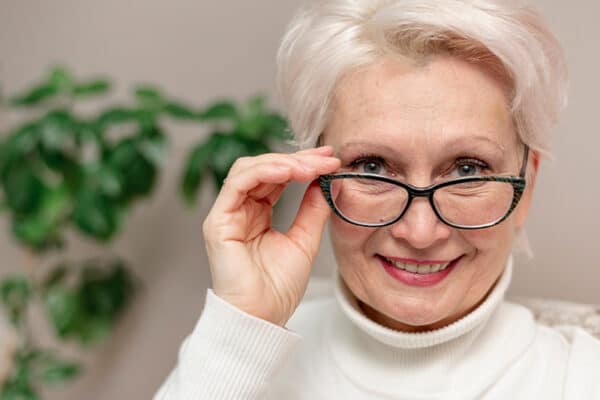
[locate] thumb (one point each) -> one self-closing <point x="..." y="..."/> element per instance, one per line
<point x="307" y="228"/>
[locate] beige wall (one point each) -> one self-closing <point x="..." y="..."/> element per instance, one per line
<point x="199" y="50"/>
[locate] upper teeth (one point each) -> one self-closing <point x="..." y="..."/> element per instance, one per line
<point x="419" y="268"/>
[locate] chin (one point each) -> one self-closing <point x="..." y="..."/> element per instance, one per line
<point x="411" y="314"/>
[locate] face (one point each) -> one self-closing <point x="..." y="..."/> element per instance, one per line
<point x="423" y="125"/>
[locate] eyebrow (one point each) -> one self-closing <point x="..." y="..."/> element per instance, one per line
<point x="448" y="145"/>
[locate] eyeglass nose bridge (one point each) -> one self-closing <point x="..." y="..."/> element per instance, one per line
<point x="414" y="192"/>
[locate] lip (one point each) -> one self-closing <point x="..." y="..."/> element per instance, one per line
<point x="414" y="279"/>
<point x="418" y="262"/>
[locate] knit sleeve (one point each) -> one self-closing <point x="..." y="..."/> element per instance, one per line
<point x="229" y="355"/>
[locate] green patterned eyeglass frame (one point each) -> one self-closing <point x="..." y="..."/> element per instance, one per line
<point x="518" y="182"/>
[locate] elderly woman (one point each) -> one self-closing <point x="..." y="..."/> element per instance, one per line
<point x="431" y="117"/>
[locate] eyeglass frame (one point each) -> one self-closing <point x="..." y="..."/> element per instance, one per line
<point x="519" y="184"/>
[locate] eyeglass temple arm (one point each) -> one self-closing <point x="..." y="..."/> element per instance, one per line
<point x="524" y="165"/>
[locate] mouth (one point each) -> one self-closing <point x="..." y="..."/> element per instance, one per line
<point x="421" y="268"/>
<point x="418" y="273"/>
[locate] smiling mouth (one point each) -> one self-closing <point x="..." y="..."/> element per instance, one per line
<point x="421" y="268"/>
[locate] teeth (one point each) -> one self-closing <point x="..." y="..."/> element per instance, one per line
<point x="408" y="267"/>
<point x="419" y="269"/>
<point x="424" y="269"/>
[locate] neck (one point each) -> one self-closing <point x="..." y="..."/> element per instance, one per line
<point x="396" y="325"/>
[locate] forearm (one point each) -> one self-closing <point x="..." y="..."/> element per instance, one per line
<point x="229" y="355"/>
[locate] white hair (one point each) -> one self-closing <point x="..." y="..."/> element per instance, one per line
<point x="329" y="38"/>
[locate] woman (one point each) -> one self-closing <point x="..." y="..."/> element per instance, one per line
<point x="432" y="117"/>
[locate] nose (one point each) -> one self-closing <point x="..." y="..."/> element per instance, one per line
<point x="420" y="226"/>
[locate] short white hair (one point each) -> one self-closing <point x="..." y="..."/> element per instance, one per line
<point x="329" y="38"/>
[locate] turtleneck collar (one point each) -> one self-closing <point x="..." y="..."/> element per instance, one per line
<point x="350" y="307"/>
<point x="459" y="361"/>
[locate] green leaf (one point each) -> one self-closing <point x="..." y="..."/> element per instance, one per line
<point x="55" y="129"/>
<point x="91" y="88"/>
<point x="59" y="161"/>
<point x="17" y="391"/>
<point x="94" y="330"/>
<point x="137" y="173"/>
<point x="220" y="110"/>
<point x="228" y="148"/>
<point x="276" y="127"/>
<point x="60" y="78"/>
<point x="63" y="306"/>
<point x="149" y="97"/>
<point x="115" y="116"/>
<point x="55" y="204"/>
<point x="96" y="215"/>
<point x="180" y="111"/>
<point x="22" y="188"/>
<point x="16" y="292"/>
<point x="198" y="161"/>
<point x="105" y="293"/>
<point x="21" y="142"/>
<point x="154" y="150"/>
<point x="35" y="95"/>
<point x="33" y="230"/>
<point x="57" y="371"/>
<point x="108" y="180"/>
<point x="39" y="229"/>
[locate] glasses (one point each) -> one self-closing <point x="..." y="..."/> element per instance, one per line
<point x="475" y="202"/>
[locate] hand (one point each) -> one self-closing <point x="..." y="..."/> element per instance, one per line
<point x="257" y="269"/>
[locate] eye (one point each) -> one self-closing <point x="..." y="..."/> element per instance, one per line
<point x="465" y="167"/>
<point x="369" y="165"/>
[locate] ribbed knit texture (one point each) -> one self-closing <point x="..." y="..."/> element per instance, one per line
<point x="496" y="352"/>
<point x="230" y="355"/>
<point x="417" y="340"/>
<point x="431" y="364"/>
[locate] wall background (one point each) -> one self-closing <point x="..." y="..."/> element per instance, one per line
<point x="201" y="50"/>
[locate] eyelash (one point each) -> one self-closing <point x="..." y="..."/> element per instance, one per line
<point x="367" y="158"/>
<point x="471" y="161"/>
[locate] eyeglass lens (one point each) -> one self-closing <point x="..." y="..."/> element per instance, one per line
<point x="371" y="201"/>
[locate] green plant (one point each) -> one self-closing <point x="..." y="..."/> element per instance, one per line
<point x="61" y="170"/>
<point x="237" y="130"/>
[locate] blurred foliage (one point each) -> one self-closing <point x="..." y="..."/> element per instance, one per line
<point x="248" y="129"/>
<point x="61" y="170"/>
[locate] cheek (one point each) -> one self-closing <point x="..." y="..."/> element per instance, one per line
<point x="492" y="240"/>
<point x="351" y="247"/>
<point x="492" y="247"/>
<point x="347" y="239"/>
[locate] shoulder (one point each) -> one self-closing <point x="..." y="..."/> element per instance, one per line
<point x="575" y="328"/>
<point x="563" y="317"/>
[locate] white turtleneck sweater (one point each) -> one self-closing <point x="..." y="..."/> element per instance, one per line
<point x="331" y="350"/>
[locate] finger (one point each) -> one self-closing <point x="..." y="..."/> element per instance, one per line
<point x="244" y="162"/>
<point x="304" y="168"/>
<point x="235" y="190"/>
<point x="307" y="228"/>
<point x="265" y="192"/>
<point x="323" y="150"/>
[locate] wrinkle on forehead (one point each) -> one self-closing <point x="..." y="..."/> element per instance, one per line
<point x="426" y="105"/>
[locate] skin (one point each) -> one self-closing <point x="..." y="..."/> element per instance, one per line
<point x="420" y="120"/>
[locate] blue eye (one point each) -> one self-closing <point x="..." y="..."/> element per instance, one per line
<point x="372" y="167"/>
<point x="470" y="167"/>
<point x="369" y="165"/>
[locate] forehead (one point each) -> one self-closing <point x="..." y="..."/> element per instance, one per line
<point x="446" y="100"/>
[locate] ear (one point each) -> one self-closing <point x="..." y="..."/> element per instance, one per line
<point x="523" y="207"/>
